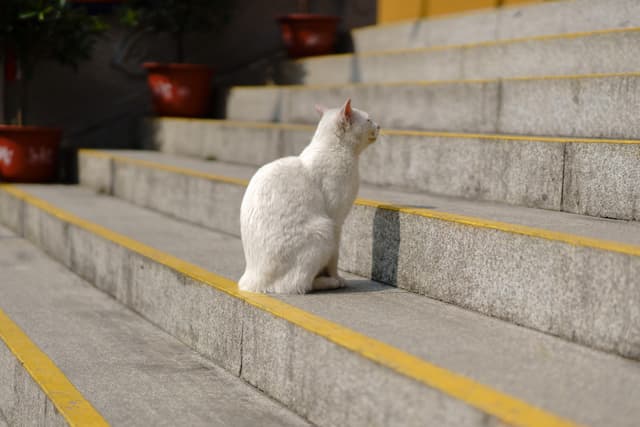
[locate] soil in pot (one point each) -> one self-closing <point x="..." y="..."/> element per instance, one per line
<point x="29" y="153"/>
<point x="179" y="89"/>
<point x="308" y="34"/>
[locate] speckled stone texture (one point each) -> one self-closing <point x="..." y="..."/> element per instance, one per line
<point x="316" y="377"/>
<point x="597" y="53"/>
<point x="599" y="179"/>
<point x="582" y="294"/>
<point x="244" y="340"/>
<point x="322" y="377"/>
<point x="471" y="107"/>
<point x="547" y="285"/>
<point x="216" y="140"/>
<point x="603" y="180"/>
<point x="22" y="401"/>
<point x="576" y="106"/>
<point x="507" y="23"/>
<point x="130" y="371"/>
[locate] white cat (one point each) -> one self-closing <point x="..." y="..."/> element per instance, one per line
<point x="293" y="210"/>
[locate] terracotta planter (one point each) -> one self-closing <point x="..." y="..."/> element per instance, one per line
<point x="179" y="89"/>
<point x="29" y="153"/>
<point x="308" y="35"/>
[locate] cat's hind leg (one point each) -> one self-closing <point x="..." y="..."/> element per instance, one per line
<point x="331" y="270"/>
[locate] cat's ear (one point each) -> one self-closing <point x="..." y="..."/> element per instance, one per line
<point x="346" y="110"/>
<point x="320" y="108"/>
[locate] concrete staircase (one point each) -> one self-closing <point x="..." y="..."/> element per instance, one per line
<point x="493" y="253"/>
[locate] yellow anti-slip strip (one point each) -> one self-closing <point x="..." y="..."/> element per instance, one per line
<point x="432" y="82"/>
<point x="571" y="239"/>
<point x="502" y="406"/>
<point x="541" y="38"/>
<point x="406" y="132"/>
<point x="75" y="409"/>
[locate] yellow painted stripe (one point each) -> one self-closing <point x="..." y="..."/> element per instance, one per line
<point x="75" y="409"/>
<point x="436" y="82"/>
<point x="438" y="48"/>
<point x="419" y="133"/>
<point x="163" y="167"/>
<point x="515" y="138"/>
<point x="502" y="406"/>
<point x="571" y="239"/>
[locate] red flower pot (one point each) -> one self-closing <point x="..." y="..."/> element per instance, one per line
<point x="307" y="35"/>
<point x="179" y="89"/>
<point x="29" y="153"/>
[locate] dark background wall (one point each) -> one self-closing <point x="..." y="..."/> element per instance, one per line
<point x="101" y="104"/>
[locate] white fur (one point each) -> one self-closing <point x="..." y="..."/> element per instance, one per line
<point x="293" y="210"/>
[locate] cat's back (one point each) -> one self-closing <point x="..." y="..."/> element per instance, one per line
<point x="276" y="175"/>
<point x="282" y="183"/>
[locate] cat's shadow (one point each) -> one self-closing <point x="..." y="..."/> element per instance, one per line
<point x="358" y="286"/>
<point x="385" y="249"/>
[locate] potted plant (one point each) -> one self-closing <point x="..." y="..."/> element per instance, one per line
<point x="306" y="34"/>
<point x="178" y="89"/>
<point x="97" y="7"/>
<point x="32" y="31"/>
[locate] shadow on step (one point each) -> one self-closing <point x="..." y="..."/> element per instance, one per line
<point x="360" y="286"/>
<point x="386" y="244"/>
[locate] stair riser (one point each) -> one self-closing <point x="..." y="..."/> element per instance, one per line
<point x="22" y="401"/>
<point x="597" y="179"/>
<point x="246" y="340"/>
<point x="501" y="24"/>
<point x="167" y="192"/>
<point x="235" y="144"/>
<point x="583" y="294"/>
<point x="583" y="107"/>
<point x="561" y="56"/>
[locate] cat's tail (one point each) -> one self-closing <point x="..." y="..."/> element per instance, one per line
<point x="248" y="283"/>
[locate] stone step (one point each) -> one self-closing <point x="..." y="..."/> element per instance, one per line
<point x="605" y="51"/>
<point x="557" y="17"/>
<point x="593" y="177"/>
<point x="568" y="275"/>
<point x="597" y="106"/>
<point x="93" y="349"/>
<point x="331" y="357"/>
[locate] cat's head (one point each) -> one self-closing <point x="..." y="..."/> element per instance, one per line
<point x="352" y="126"/>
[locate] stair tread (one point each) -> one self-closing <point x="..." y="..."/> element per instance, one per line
<point x="131" y="371"/>
<point x="565" y="378"/>
<point x="539" y="18"/>
<point x="572" y="53"/>
<point x="620" y="231"/>
<point x="543" y="105"/>
<point x="595" y="177"/>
